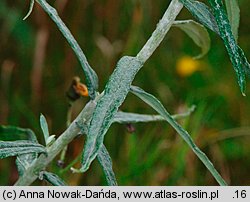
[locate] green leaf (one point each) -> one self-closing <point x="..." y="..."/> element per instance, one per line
<point x="202" y="13"/>
<point x="44" y="127"/>
<point x="51" y="140"/>
<point x="91" y="76"/>
<point x="157" y="106"/>
<point x="32" y="2"/>
<point x="103" y="158"/>
<point x="106" y="163"/>
<point x="230" y="42"/>
<point x="107" y="106"/>
<point x="126" y="117"/>
<point x="12" y="133"/>
<point x="233" y="12"/>
<point x="52" y="178"/>
<point x="15" y="148"/>
<point x="23" y="161"/>
<point x="197" y="33"/>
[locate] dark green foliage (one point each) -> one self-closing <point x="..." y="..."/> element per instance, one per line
<point x="235" y="53"/>
<point x="115" y="93"/>
<point x="12" y="133"/>
<point x="202" y="13"/>
<point x="20" y="147"/>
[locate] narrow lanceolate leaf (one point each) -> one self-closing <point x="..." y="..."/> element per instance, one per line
<point x="91" y="76"/>
<point x="157" y="106"/>
<point x="103" y="158"/>
<point x="106" y="163"/>
<point x="233" y="12"/>
<point x="52" y="178"/>
<point x="202" y="13"/>
<point x="12" y="133"/>
<point x="23" y="161"/>
<point x="115" y="93"/>
<point x="126" y="117"/>
<point x="15" y="148"/>
<point x="229" y="41"/>
<point x="44" y="127"/>
<point x="197" y="32"/>
<point x="32" y="2"/>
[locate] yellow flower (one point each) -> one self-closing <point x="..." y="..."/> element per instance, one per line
<point x="186" y="66"/>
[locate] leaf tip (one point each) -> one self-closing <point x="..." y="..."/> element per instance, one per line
<point x="74" y="170"/>
<point x="32" y="2"/>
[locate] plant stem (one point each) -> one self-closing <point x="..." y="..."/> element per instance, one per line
<point x="64" y="139"/>
<point x="68" y="122"/>
<point x="72" y="131"/>
<point x="161" y="30"/>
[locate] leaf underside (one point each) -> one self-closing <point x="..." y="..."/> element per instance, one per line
<point x="197" y="33"/>
<point x="115" y="93"/>
<point x="202" y="13"/>
<point x="103" y="158"/>
<point x="106" y="163"/>
<point x="157" y="106"/>
<point x="236" y="55"/>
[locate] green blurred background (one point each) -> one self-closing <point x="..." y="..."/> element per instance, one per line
<point x="37" y="67"/>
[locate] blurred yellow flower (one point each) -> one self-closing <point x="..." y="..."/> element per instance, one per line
<point x="186" y="66"/>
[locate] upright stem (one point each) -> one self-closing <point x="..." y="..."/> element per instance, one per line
<point x="161" y="31"/>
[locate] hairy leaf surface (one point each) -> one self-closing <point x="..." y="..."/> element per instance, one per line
<point x="197" y="32"/>
<point x="157" y="106"/>
<point x="127" y="117"/>
<point x="15" y="148"/>
<point x="202" y="13"/>
<point x="115" y="93"/>
<point x="12" y="133"/>
<point x="106" y="163"/>
<point x="103" y="158"/>
<point x="230" y="42"/>
<point x="52" y="178"/>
